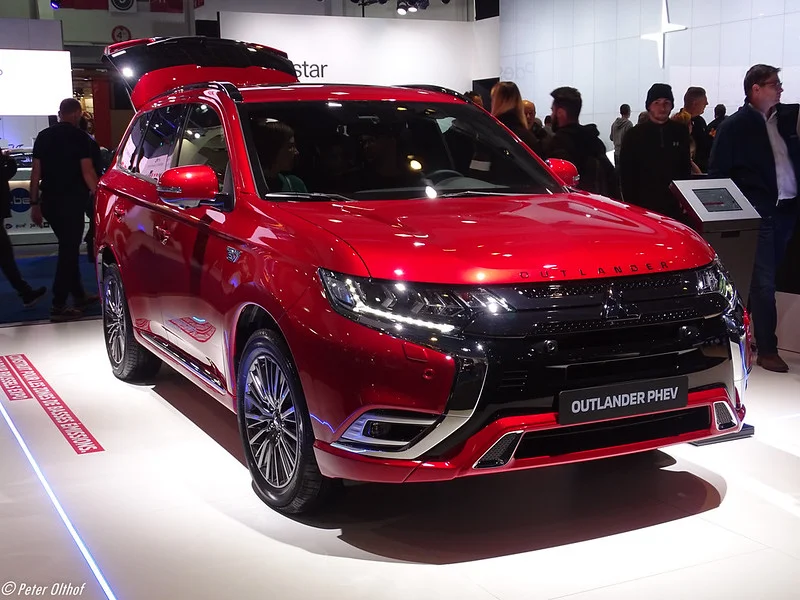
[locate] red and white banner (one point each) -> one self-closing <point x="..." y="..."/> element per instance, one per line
<point x="171" y="6"/>
<point x="11" y="382"/>
<point x="19" y="380"/>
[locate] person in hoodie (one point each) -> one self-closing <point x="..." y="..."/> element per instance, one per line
<point x="508" y="108"/>
<point x="580" y="144"/>
<point x="619" y="128"/>
<point x="654" y="154"/>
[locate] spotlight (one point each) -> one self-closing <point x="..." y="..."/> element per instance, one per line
<point x="402" y="7"/>
<point x="55" y="4"/>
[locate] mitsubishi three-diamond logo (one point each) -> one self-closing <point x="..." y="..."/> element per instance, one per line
<point x="659" y="37"/>
<point x="614" y="309"/>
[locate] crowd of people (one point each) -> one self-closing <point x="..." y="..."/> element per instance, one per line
<point x="758" y="147"/>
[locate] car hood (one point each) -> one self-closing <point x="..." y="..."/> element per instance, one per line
<point x="507" y="239"/>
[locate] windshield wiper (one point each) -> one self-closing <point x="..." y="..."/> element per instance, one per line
<point x="306" y="196"/>
<point x="476" y="193"/>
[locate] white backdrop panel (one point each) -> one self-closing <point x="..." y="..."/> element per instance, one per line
<point x="373" y="51"/>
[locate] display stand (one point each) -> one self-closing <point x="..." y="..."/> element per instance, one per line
<point x="720" y="212"/>
<point x="746" y="432"/>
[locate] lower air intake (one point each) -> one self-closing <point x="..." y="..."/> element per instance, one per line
<point x="500" y="453"/>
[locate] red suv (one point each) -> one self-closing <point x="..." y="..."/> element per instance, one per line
<point x="386" y="285"/>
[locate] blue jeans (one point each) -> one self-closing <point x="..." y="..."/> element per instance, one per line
<point x="773" y="238"/>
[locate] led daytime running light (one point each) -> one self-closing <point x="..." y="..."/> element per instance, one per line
<point x="361" y="307"/>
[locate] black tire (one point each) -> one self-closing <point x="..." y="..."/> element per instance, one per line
<point x="130" y="361"/>
<point x="268" y="442"/>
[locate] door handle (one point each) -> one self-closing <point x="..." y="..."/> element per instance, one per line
<point x="119" y="212"/>
<point x="162" y="234"/>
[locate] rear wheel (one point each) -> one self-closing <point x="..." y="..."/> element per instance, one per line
<point x="276" y="428"/>
<point x="130" y="361"/>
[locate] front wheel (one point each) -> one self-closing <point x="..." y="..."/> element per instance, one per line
<point x="276" y="428"/>
<point x="130" y="361"/>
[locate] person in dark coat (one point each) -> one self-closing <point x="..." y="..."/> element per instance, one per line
<point x="758" y="147"/>
<point x="653" y="154"/>
<point x="580" y="144"/>
<point x="8" y="264"/>
<point x="719" y="117"/>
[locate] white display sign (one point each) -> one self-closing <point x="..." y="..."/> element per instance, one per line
<point x="366" y="51"/>
<point x="33" y="82"/>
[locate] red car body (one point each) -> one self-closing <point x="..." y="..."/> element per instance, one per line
<point x="199" y="279"/>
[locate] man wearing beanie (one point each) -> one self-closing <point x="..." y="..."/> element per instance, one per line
<point x="653" y="154"/>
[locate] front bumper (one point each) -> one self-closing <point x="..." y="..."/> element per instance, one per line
<point x="531" y="441"/>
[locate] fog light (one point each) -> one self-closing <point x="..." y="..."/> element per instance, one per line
<point x="374" y="429"/>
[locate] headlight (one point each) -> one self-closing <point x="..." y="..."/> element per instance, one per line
<point x="714" y="279"/>
<point x="394" y="305"/>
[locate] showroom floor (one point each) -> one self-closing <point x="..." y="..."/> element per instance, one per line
<point x="150" y="478"/>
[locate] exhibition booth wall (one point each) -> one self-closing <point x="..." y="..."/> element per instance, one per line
<point x="597" y="47"/>
<point x="375" y="51"/>
<point x="611" y="51"/>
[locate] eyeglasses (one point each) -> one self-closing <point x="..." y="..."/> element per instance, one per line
<point x="777" y="84"/>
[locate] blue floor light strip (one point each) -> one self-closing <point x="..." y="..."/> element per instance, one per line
<point x="70" y="527"/>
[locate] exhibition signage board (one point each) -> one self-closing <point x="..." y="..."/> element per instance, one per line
<point x="23" y="95"/>
<point x="364" y="51"/>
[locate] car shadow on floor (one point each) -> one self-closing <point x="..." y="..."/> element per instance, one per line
<point x="472" y="518"/>
<point x="489" y="516"/>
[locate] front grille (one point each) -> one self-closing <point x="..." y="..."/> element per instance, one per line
<point x="560" y="338"/>
<point x="674" y="284"/>
<point x="583" y="438"/>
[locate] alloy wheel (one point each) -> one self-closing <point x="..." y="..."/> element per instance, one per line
<point x="272" y="426"/>
<point x="114" y="320"/>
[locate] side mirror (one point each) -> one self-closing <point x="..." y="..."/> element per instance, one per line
<point x="566" y="171"/>
<point x="190" y="187"/>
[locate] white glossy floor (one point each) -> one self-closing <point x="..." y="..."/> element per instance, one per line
<point x="167" y="512"/>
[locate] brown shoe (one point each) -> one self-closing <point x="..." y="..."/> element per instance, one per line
<point x="772" y="362"/>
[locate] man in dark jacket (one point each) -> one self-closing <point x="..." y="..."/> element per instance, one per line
<point x="758" y="147"/>
<point x="653" y="155"/>
<point x="719" y="117"/>
<point x="580" y="144"/>
<point x="8" y="168"/>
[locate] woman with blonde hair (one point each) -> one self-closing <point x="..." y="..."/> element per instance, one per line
<point x="508" y="108"/>
<point x="684" y="118"/>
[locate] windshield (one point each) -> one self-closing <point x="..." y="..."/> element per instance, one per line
<point x="378" y="150"/>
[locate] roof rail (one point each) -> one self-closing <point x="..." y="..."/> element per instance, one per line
<point x="437" y="88"/>
<point x="223" y="86"/>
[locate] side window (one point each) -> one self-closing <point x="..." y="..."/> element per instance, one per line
<point x="203" y="142"/>
<point x="131" y="145"/>
<point x="159" y="142"/>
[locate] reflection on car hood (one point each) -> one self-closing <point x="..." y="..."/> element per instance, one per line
<point x="507" y="239"/>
